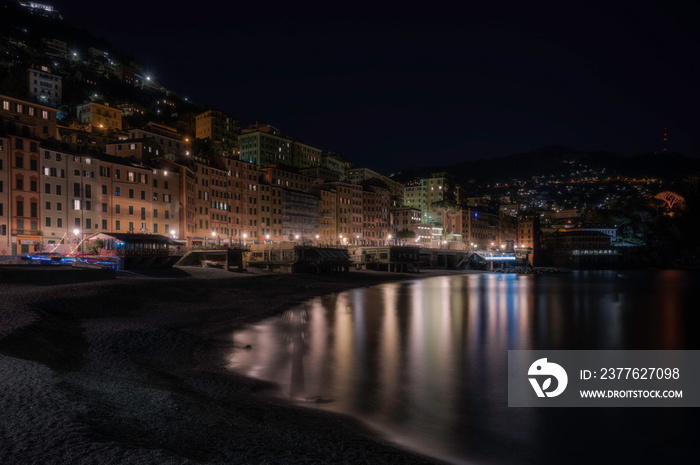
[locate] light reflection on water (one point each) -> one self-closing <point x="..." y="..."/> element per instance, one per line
<point x="425" y="362"/>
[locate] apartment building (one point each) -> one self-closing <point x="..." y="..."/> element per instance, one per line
<point x="327" y="216"/>
<point x="25" y="197"/>
<point x="376" y="202"/>
<point x="243" y="187"/>
<point x="264" y="145"/>
<point x="277" y="176"/>
<point x="305" y="156"/>
<point x="270" y="213"/>
<point x="222" y="129"/>
<point x="100" y="116"/>
<point x="220" y="206"/>
<point x="44" y="86"/>
<point x="348" y="211"/>
<point x="5" y="226"/>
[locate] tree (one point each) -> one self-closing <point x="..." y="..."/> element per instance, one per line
<point x="96" y="246"/>
<point x="445" y="207"/>
<point x="404" y="235"/>
<point x="671" y="200"/>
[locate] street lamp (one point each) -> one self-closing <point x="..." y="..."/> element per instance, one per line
<point x="213" y="237"/>
<point x="76" y="231"/>
<point x="245" y="236"/>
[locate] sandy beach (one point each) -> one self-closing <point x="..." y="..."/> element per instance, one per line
<point x="133" y="370"/>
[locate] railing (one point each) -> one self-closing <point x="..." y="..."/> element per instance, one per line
<point x="26" y="232"/>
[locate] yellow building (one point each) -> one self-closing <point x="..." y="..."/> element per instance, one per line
<point x="100" y="116"/>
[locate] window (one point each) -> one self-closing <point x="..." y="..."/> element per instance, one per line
<point x="59" y="222"/>
<point x="20" y="184"/>
<point x="117" y="174"/>
<point x="104" y="224"/>
<point x="88" y="191"/>
<point x="155" y="228"/>
<point x="45" y="114"/>
<point x="117" y="209"/>
<point x="76" y="189"/>
<point x="76" y="204"/>
<point x="143" y="195"/>
<point x="104" y="208"/>
<point x="33" y="185"/>
<point x="59" y="206"/>
<point x="131" y="209"/>
<point x="58" y="189"/>
<point x="48" y="222"/>
<point x="19" y="160"/>
<point x="47" y="188"/>
<point x="117" y="225"/>
<point x="131" y="193"/>
<point x="47" y="206"/>
<point x="130" y="176"/>
<point x="88" y="205"/>
<point x="104" y="189"/>
<point x="34" y="210"/>
<point x="143" y="213"/>
<point x="88" y="223"/>
<point x="117" y="191"/>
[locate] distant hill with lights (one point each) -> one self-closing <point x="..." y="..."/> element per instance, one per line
<point x="558" y="161"/>
<point x="87" y="65"/>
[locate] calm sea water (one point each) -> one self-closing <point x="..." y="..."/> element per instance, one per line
<point x="425" y="362"/>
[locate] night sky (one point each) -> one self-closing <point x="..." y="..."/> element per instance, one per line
<point x="393" y="87"/>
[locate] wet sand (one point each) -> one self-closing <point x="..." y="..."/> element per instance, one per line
<point x="134" y="371"/>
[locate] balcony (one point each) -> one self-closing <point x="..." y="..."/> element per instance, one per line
<point x="26" y="232"/>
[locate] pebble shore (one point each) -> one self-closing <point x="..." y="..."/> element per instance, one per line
<point x="133" y="371"/>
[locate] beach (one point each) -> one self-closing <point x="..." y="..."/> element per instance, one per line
<point x="133" y="370"/>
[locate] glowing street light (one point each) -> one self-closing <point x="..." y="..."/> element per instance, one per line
<point x="76" y="231"/>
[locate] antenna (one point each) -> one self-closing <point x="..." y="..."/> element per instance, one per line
<point x="664" y="147"/>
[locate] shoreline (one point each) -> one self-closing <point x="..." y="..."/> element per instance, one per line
<point x="135" y="368"/>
